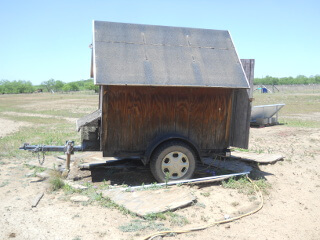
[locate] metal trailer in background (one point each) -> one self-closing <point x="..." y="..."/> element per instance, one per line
<point x="168" y="95"/>
<point x="265" y="114"/>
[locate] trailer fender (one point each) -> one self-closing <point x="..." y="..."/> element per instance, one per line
<point x="169" y="137"/>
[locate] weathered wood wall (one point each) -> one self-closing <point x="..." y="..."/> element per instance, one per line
<point x="133" y="116"/>
<point x="241" y="112"/>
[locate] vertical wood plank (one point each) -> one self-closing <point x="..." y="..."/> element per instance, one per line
<point x="196" y="115"/>
<point x="241" y="111"/>
<point x="182" y="112"/>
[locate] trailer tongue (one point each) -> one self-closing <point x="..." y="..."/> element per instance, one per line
<point x="68" y="149"/>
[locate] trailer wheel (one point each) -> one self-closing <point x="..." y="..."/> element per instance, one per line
<point x="174" y="160"/>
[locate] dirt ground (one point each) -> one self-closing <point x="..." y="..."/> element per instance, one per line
<point x="291" y="209"/>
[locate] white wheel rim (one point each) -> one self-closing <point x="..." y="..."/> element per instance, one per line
<point x="175" y="165"/>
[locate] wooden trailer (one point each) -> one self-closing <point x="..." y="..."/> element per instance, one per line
<point x="168" y="95"/>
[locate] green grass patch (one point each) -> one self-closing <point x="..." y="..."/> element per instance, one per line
<point x="35" y="169"/>
<point x="205" y="194"/>
<point x="108" y="203"/>
<point x="139" y="225"/>
<point x="35" y="120"/>
<point x="300" y="123"/>
<point x="5" y="183"/>
<point x="174" y="218"/>
<point x="240" y="150"/>
<point x="70" y="190"/>
<point x="56" y="181"/>
<point x="155" y="216"/>
<point x="243" y="185"/>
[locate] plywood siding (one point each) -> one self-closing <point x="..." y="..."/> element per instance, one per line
<point x="134" y="116"/>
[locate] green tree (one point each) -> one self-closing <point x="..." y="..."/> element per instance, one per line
<point x="89" y="85"/>
<point x="20" y="86"/>
<point x="70" y="87"/>
<point x="58" y="85"/>
<point x="49" y="85"/>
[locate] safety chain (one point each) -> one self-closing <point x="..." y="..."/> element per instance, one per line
<point x="43" y="158"/>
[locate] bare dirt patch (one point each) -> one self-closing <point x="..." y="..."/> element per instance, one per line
<point x="73" y="120"/>
<point x="8" y="126"/>
<point x="71" y="105"/>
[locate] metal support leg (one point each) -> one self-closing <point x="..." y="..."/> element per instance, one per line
<point x="69" y="151"/>
<point x="68" y="162"/>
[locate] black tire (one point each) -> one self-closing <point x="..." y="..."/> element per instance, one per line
<point x="174" y="160"/>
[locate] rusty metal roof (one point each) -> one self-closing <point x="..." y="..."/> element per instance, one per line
<point x="135" y="54"/>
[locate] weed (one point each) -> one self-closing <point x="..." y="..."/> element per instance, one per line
<point x="55" y="181"/>
<point x="177" y="220"/>
<point x="173" y="218"/>
<point x="108" y="203"/>
<point x="75" y="216"/>
<point x="199" y="204"/>
<point x="241" y="149"/>
<point x="234" y="204"/>
<point x="244" y="186"/>
<point x="95" y="196"/>
<point x="35" y="169"/>
<point x="205" y="219"/>
<point x="289" y="160"/>
<point x="154" y="186"/>
<point x="139" y="225"/>
<point x="167" y="179"/>
<point x="104" y="185"/>
<point x="70" y="190"/>
<point x="263" y="185"/>
<point x="88" y="184"/>
<point x="155" y="216"/>
<point x="4" y="184"/>
<point x="205" y="194"/>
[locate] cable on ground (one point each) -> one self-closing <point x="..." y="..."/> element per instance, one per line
<point x="258" y="193"/>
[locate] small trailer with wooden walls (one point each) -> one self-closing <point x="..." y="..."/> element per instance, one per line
<point x="168" y="95"/>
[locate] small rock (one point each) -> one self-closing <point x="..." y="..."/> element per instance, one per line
<point x="29" y="174"/>
<point x="12" y="235"/>
<point x="35" y="179"/>
<point x="227" y="226"/>
<point x="75" y="185"/>
<point x="43" y="175"/>
<point x="79" y="198"/>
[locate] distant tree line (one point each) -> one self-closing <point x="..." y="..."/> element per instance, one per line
<point x="16" y="86"/>
<point x="51" y="85"/>
<point x="300" y="79"/>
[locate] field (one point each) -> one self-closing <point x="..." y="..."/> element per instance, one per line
<point x="291" y="188"/>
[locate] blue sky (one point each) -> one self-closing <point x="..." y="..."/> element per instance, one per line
<point x="40" y="40"/>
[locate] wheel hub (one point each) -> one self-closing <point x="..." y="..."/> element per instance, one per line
<point x="175" y="165"/>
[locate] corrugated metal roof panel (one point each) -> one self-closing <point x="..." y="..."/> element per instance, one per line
<point x="133" y="54"/>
